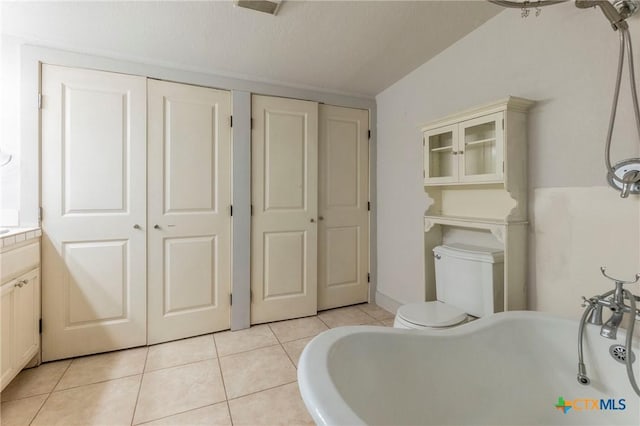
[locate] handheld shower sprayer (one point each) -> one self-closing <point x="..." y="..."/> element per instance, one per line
<point x="617" y="18"/>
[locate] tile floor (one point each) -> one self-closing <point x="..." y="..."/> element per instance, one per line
<point x="244" y="377"/>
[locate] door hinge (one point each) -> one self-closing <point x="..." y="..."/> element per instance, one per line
<point x="369" y="134"/>
<point x="503" y="124"/>
<point x="251" y="209"/>
<point x="39" y="100"/>
<point x="368" y="277"/>
<point x="503" y="167"/>
<point x="230" y="298"/>
<point x="231" y="120"/>
<point x="231" y="210"/>
<point x="251" y="296"/>
<point x="40" y="326"/>
<point x="40" y="214"/>
<point x="252" y="122"/>
<point x="368" y="206"/>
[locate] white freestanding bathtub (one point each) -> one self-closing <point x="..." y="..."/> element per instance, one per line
<point x="507" y="369"/>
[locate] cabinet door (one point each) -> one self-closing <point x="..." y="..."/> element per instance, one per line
<point x="27" y="314"/>
<point x="481" y="146"/>
<point x="441" y="155"/>
<point x="7" y="341"/>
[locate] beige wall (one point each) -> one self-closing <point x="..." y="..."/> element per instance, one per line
<point x="565" y="60"/>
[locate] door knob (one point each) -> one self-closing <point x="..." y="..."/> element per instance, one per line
<point x="156" y="226"/>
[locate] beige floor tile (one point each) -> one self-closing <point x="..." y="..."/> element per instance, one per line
<point x="376" y="311"/>
<point x="35" y="381"/>
<point x="232" y="342"/>
<point x="345" y="316"/>
<point x="280" y="406"/>
<point x="175" y="390"/>
<point x="180" y="352"/>
<point x="294" y="348"/>
<point x="256" y="370"/>
<point x="387" y="322"/>
<point x="295" y="329"/>
<point x="213" y="415"/>
<point x="98" y="368"/>
<point x="21" y="411"/>
<point x="108" y="403"/>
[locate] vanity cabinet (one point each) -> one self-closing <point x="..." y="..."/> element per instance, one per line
<point x="475" y="174"/>
<point x="20" y="310"/>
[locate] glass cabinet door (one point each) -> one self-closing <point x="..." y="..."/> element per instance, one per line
<point x="441" y="155"/>
<point x="481" y="149"/>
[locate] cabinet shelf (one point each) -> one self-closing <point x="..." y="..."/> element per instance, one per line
<point x="471" y="222"/>
<point x="442" y="149"/>
<point x="480" y="142"/>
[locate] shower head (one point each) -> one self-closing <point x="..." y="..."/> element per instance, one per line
<point x="616" y="18"/>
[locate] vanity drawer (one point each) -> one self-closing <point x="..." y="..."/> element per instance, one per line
<point x="19" y="260"/>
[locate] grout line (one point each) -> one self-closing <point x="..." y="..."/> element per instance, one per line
<point x="249" y="350"/>
<point x="224" y="386"/>
<point x="283" y="348"/>
<point x="263" y="390"/>
<point x="135" y="407"/>
<point x="178" y="413"/>
<point x="50" y="393"/>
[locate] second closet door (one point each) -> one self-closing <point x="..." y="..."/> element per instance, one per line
<point x="343" y="233"/>
<point x="285" y="206"/>
<point x="189" y="236"/>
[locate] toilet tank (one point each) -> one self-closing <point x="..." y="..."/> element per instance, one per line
<point x="470" y="278"/>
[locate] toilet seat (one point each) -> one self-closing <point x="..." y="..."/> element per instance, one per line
<point x="431" y="314"/>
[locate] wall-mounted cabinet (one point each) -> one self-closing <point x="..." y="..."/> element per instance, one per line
<point x="475" y="173"/>
<point x="470" y="151"/>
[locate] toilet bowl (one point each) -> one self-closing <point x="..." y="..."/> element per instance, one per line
<point x="469" y="284"/>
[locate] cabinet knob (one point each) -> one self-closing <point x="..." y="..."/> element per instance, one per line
<point x="321" y="218"/>
<point x="21" y="283"/>
<point x="156" y="226"/>
<point x="312" y="221"/>
<point x="136" y="226"/>
<point x="455" y="152"/>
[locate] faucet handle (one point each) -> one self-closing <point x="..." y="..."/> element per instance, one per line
<point x="616" y="280"/>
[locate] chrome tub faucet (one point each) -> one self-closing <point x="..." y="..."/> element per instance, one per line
<point x="615" y="300"/>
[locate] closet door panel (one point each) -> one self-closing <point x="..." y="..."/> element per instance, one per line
<point x="94" y="210"/>
<point x="343" y="231"/>
<point x="284" y="198"/>
<point x="189" y="217"/>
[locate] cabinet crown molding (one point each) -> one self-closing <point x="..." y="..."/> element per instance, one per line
<point x="510" y="103"/>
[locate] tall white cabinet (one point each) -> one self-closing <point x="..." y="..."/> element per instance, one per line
<point x="475" y="172"/>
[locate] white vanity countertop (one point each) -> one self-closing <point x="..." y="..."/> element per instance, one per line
<point x="12" y="236"/>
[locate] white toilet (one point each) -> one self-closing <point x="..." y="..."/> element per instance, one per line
<point x="469" y="283"/>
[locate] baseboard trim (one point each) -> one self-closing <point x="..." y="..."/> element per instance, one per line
<point x="386" y="302"/>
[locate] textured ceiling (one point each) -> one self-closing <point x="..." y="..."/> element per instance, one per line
<point x="351" y="47"/>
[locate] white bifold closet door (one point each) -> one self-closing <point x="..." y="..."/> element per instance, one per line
<point x="285" y="201"/>
<point x="94" y="211"/>
<point x="189" y="210"/>
<point x="343" y="228"/>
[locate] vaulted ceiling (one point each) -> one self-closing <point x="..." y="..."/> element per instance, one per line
<point x="351" y="47"/>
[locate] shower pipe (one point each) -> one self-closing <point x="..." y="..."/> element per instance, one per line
<point x="630" y="181"/>
<point x="617" y="19"/>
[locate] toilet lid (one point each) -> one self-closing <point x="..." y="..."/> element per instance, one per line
<point x="431" y="314"/>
